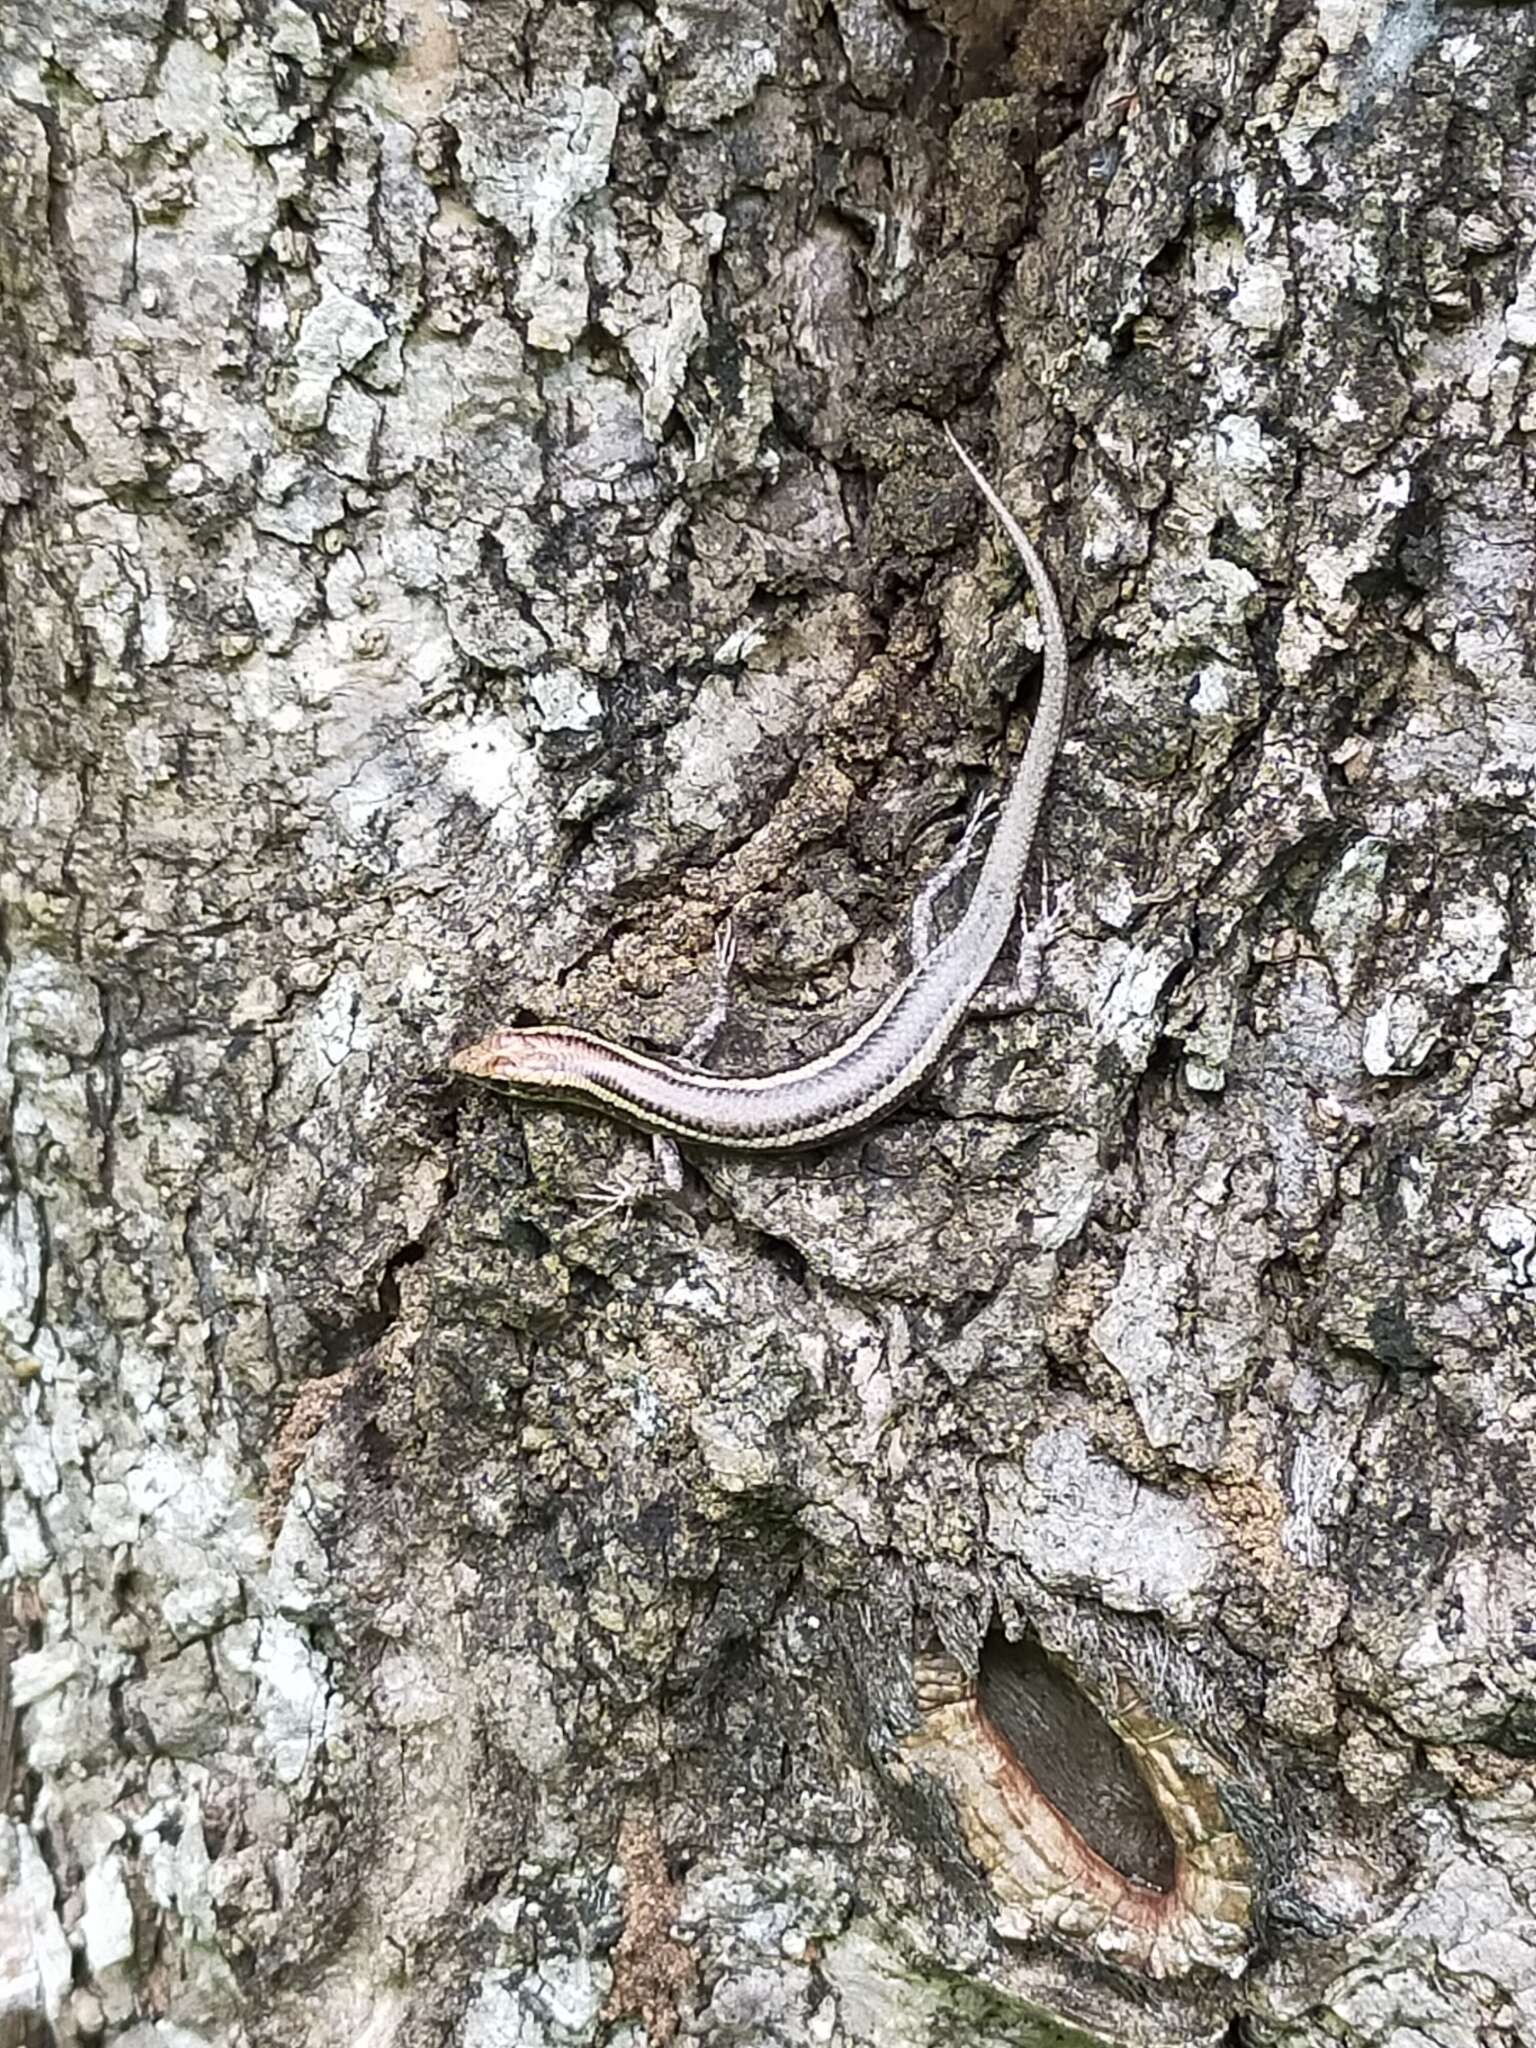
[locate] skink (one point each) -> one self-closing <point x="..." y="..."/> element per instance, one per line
<point x="888" y="1055"/>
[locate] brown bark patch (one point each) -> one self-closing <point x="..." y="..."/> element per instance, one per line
<point x="652" y="1972"/>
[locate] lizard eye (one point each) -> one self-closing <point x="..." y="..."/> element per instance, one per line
<point x="528" y="1059"/>
<point x="504" y="1060"/>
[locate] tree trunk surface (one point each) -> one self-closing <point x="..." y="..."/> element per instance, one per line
<point x="1058" y="1568"/>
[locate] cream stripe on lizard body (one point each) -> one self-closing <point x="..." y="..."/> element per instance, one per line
<point x="889" y="1054"/>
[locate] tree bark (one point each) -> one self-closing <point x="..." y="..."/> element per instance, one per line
<point x="1055" y="1569"/>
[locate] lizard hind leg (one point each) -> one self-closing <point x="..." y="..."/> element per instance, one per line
<point x="921" y="931"/>
<point x="1007" y="998"/>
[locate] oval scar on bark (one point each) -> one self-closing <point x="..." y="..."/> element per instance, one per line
<point x="1100" y="1823"/>
<point x="1053" y="1731"/>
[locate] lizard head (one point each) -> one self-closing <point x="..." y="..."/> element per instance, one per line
<point x="524" y="1061"/>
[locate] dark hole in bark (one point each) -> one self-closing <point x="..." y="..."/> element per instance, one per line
<point x="1075" y="1758"/>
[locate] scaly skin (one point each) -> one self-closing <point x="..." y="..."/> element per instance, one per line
<point x="888" y="1055"/>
